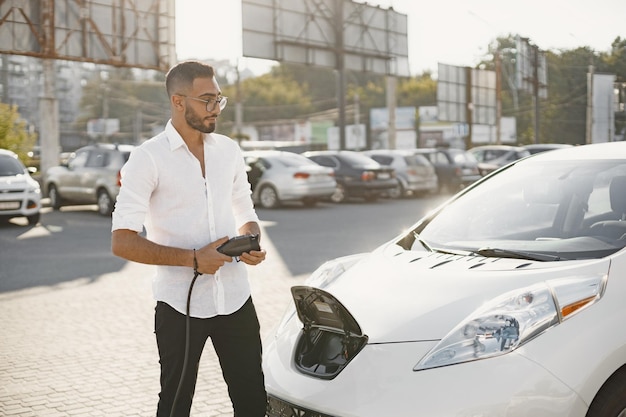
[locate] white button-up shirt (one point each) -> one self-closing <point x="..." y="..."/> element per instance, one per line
<point x="164" y="191"/>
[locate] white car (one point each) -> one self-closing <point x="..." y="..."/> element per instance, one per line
<point x="277" y="177"/>
<point x="508" y="300"/>
<point x="20" y="194"/>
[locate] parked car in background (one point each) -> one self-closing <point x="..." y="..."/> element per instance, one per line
<point x="510" y="295"/>
<point x="455" y="168"/>
<point x="543" y="147"/>
<point x="492" y="157"/>
<point x="90" y="176"/>
<point x="415" y="174"/>
<point x="357" y="175"/>
<point x="20" y="194"/>
<point x="277" y="177"/>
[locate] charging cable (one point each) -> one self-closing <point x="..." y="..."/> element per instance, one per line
<point x="196" y="274"/>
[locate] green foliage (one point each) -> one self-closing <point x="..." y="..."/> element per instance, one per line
<point x="138" y="105"/>
<point x="13" y="133"/>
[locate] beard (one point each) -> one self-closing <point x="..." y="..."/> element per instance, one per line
<point x="195" y="121"/>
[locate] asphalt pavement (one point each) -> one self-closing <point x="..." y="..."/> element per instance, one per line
<point x="87" y="348"/>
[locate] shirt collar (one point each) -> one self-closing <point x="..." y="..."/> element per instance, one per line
<point x="176" y="140"/>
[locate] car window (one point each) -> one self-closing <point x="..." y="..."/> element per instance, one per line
<point x="357" y="159"/>
<point x="440" y="158"/>
<point x="382" y="159"/>
<point x="79" y="159"/>
<point x="10" y="166"/>
<point x="98" y="158"/>
<point x="418" y="160"/>
<point x="325" y="161"/>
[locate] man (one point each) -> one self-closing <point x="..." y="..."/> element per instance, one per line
<point x="188" y="187"/>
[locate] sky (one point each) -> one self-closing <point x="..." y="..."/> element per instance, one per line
<point x="452" y="32"/>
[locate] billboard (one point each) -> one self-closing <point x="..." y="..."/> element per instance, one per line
<point x="323" y="32"/>
<point x="138" y="34"/>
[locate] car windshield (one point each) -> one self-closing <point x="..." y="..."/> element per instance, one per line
<point x="565" y="209"/>
<point x="10" y="166"/>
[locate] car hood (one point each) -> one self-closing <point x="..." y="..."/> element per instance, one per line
<point x="16" y="182"/>
<point x="397" y="296"/>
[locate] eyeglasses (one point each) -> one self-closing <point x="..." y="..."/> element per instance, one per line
<point x="211" y="103"/>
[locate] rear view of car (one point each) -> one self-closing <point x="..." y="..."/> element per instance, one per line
<point x="90" y="176"/>
<point x="456" y="168"/>
<point x="357" y="175"/>
<point x="20" y="194"/>
<point x="415" y="175"/>
<point x="277" y="177"/>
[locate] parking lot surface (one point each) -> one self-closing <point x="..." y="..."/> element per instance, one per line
<point x="86" y="347"/>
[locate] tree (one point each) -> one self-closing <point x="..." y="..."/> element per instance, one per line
<point x="13" y="133"/>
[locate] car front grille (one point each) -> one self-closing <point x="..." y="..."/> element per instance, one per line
<point x="279" y="408"/>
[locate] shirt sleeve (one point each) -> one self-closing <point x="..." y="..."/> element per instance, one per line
<point x="139" y="179"/>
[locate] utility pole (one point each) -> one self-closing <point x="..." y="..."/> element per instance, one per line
<point x="341" y="72"/>
<point x="589" y="126"/>
<point x="536" y="89"/>
<point x="498" y="96"/>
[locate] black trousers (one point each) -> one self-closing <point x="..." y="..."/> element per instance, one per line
<point x="237" y="342"/>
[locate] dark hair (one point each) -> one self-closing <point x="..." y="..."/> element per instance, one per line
<point x="182" y="75"/>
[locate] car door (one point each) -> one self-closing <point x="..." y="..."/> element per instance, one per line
<point x="93" y="173"/>
<point x="69" y="181"/>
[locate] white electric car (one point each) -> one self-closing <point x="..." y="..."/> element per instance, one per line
<point x="508" y="300"/>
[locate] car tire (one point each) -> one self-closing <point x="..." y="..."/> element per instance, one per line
<point x="397" y="191"/>
<point x="105" y="203"/>
<point x="33" y="219"/>
<point x="610" y="400"/>
<point x="268" y="197"/>
<point x="55" y="198"/>
<point x="339" y="196"/>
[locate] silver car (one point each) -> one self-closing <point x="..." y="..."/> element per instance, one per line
<point x="278" y="176"/>
<point x="90" y="176"/>
<point x="414" y="173"/>
<point x="20" y="194"/>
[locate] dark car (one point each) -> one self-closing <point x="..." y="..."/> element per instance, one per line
<point x="456" y="168"/>
<point x="357" y="175"/>
<point x="90" y="176"/>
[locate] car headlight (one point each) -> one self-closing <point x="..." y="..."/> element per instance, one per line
<point x="509" y="321"/>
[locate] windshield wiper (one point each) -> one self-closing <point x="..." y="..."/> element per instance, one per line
<point x="422" y="241"/>
<point x="506" y="253"/>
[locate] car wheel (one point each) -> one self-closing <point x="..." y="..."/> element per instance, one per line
<point x="105" y="203"/>
<point x="610" y="400"/>
<point x="34" y="219"/>
<point x="55" y="198"/>
<point x="339" y="196"/>
<point x="397" y="191"/>
<point x="268" y="197"/>
<point x="309" y="202"/>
